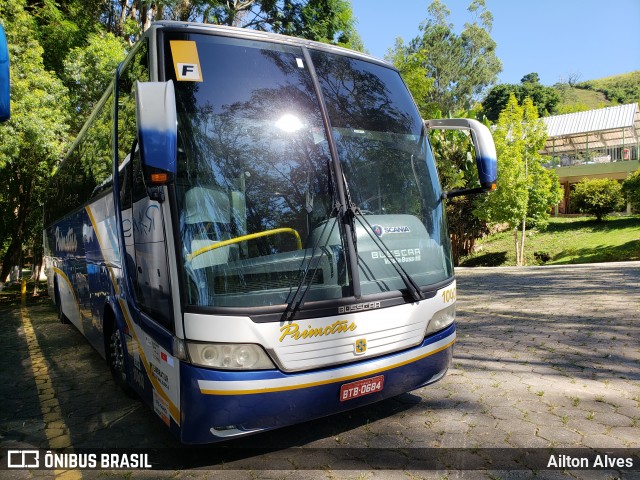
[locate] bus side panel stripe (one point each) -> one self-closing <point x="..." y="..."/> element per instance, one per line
<point x="174" y="410"/>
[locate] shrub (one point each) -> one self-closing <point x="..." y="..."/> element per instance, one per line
<point x="597" y="197"/>
<point x="631" y="188"/>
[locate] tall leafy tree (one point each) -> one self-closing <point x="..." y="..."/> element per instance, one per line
<point x="31" y="141"/>
<point x="62" y="25"/>
<point x="88" y="70"/>
<point x="446" y="73"/>
<point x="461" y="66"/>
<point x="322" y="20"/>
<point x="544" y="98"/>
<point x="526" y="190"/>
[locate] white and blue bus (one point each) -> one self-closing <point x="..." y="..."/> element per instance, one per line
<point x="250" y="229"/>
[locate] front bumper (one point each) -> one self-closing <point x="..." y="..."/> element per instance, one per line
<point x="217" y="405"/>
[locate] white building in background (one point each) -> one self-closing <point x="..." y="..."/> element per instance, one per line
<point x="602" y="143"/>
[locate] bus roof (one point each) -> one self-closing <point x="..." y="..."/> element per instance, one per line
<point x="246" y="33"/>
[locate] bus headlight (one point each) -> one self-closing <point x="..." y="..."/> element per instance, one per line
<point x="441" y="319"/>
<point x="229" y="356"/>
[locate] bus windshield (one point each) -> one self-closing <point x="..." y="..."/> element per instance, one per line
<point x="257" y="197"/>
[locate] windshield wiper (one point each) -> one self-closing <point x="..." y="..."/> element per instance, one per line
<point x="314" y="262"/>
<point x="312" y="266"/>
<point x="353" y="211"/>
<point x="410" y="283"/>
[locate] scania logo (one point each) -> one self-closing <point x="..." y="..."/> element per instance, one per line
<point x="379" y="230"/>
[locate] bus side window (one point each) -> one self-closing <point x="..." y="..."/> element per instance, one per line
<point x="151" y="281"/>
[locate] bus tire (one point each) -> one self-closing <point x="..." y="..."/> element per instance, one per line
<point x="116" y="352"/>
<point x="62" y="318"/>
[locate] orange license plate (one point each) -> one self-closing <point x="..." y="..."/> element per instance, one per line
<point x="361" y="387"/>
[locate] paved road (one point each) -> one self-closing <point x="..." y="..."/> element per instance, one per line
<point x="546" y="357"/>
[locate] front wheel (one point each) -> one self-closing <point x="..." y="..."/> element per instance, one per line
<point x="116" y="358"/>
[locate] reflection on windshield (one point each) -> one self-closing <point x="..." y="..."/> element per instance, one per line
<point x="254" y="194"/>
<point x="387" y="163"/>
<point x="252" y="181"/>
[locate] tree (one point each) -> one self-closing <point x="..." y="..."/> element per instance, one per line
<point x="31" y="141"/>
<point x="631" y="189"/>
<point x="328" y="21"/>
<point x="526" y="189"/>
<point x="446" y="72"/>
<point x="597" y="197"/>
<point x="460" y="66"/>
<point x="411" y="67"/>
<point x="544" y="98"/>
<point x="63" y="25"/>
<point x="88" y="70"/>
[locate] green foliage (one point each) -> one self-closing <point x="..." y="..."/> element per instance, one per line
<point x="32" y="140"/>
<point x="88" y="70"/>
<point x="619" y="89"/>
<point x="599" y="93"/>
<point x="544" y="98"/>
<point x="631" y="189"/>
<point x="63" y="25"/>
<point x="526" y="190"/>
<point x="411" y="67"/>
<point x="460" y="67"/>
<point x="508" y="203"/>
<point x="329" y="21"/>
<point x="573" y="99"/>
<point x="565" y="241"/>
<point x="445" y="72"/>
<point x="597" y="197"/>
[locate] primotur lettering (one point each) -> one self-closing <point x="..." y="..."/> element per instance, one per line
<point x="293" y="330"/>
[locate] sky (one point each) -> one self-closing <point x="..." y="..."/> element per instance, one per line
<point x="555" y="38"/>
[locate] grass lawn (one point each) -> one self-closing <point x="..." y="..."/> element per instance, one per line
<point x="566" y="240"/>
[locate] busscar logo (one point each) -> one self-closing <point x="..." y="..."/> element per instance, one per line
<point x="358" y="307"/>
<point x="23" y="459"/>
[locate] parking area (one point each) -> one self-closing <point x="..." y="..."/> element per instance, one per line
<point x="545" y="357"/>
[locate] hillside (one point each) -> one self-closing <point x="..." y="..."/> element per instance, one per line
<point x="599" y="93"/>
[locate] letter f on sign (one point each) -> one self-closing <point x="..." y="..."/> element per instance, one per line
<point x="189" y="71"/>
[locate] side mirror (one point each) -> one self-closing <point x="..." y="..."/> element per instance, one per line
<point x="5" y="109"/>
<point x="486" y="158"/>
<point x="157" y="134"/>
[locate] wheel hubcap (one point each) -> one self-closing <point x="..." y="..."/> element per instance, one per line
<point x="117" y="352"/>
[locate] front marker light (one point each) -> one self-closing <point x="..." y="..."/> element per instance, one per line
<point x="441" y="319"/>
<point x="229" y="356"/>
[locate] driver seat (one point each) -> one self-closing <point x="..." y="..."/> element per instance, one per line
<point x="207" y="216"/>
